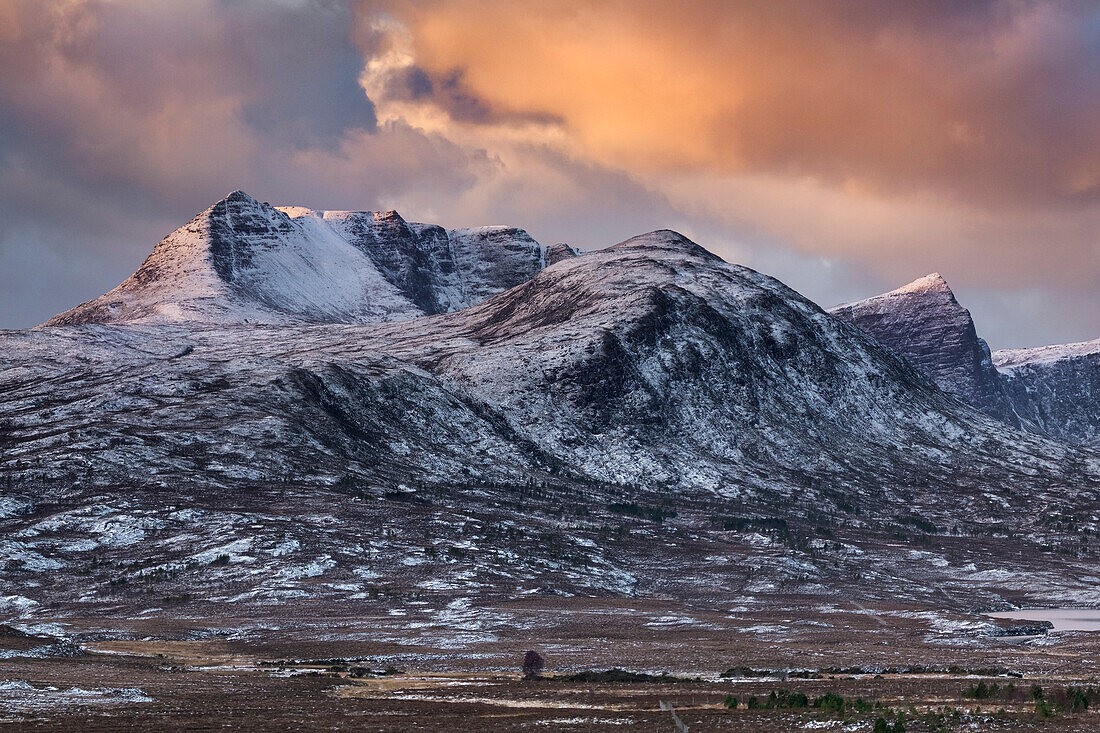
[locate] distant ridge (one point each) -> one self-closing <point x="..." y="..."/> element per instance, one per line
<point x="242" y="261"/>
<point x="1049" y="390"/>
<point x="1059" y="384"/>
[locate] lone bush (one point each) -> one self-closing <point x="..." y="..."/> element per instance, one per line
<point x="533" y="664"/>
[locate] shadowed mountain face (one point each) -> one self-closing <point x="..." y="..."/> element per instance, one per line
<point x="923" y="322"/>
<point x="1060" y="385"/>
<point x="650" y="378"/>
<point x="246" y="261"/>
<point x="1054" y="390"/>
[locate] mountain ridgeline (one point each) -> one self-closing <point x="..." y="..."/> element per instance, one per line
<point x="269" y="374"/>
<point x="652" y="360"/>
<point x="243" y="260"/>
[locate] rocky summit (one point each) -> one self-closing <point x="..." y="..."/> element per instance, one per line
<point x="924" y="322"/>
<point x="245" y="261"/>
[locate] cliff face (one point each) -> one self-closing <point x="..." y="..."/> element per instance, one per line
<point x="924" y="322"/>
<point x="1060" y="385"/>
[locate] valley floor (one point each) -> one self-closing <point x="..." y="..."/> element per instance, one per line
<point x="319" y="669"/>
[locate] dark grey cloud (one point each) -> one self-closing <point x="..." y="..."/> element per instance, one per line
<point x="120" y="120"/>
<point x="146" y="100"/>
<point x="409" y="83"/>
<point x="450" y="92"/>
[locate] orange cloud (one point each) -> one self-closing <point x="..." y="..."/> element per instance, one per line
<point x="991" y="103"/>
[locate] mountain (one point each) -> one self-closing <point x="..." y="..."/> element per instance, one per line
<point x="924" y="322"/>
<point x="645" y="418"/>
<point x="1060" y="385"/>
<point x="650" y="361"/>
<point x="1052" y="390"/>
<point x="659" y="362"/>
<point x="245" y="261"/>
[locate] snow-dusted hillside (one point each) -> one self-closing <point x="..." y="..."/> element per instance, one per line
<point x="245" y="261"/>
<point x="1007" y="359"/>
<point x="499" y="446"/>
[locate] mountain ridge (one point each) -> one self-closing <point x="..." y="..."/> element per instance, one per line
<point x="645" y="419"/>
<point x="241" y="260"/>
<point x="925" y="323"/>
<point x="609" y="343"/>
<point x="1059" y="384"/>
<point x="1050" y="390"/>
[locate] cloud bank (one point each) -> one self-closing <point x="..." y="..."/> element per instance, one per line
<point x="846" y="147"/>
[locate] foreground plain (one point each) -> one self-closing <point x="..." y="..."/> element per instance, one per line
<point x="328" y="670"/>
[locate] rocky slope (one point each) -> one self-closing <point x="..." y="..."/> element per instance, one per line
<point x="924" y="322"/>
<point x="246" y="261"/>
<point x="731" y="422"/>
<point x="1060" y="385"/>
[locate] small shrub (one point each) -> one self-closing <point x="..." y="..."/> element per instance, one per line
<point x="883" y="726"/>
<point x="830" y="702"/>
<point x="981" y="691"/>
<point x="633" y="509"/>
<point x="787" y="699"/>
<point x="1078" y="699"/>
<point x="533" y="664"/>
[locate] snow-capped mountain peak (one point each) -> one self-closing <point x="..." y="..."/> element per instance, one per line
<point x="932" y="283"/>
<point x="242" y="260"/>
<point x="924" y="322"/>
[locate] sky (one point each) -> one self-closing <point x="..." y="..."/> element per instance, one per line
<point x="845" y="147"/>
